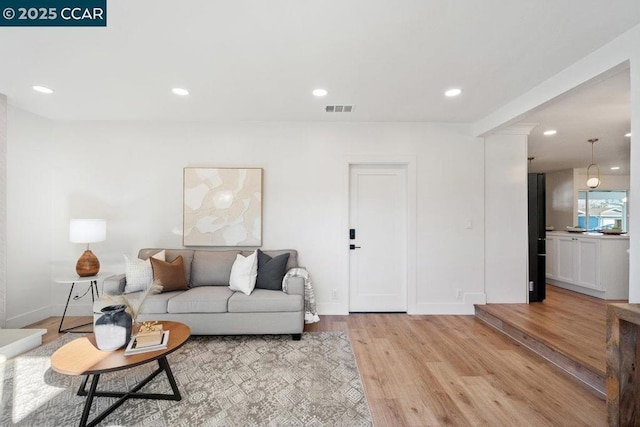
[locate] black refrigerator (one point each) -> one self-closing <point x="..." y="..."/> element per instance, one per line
<point x="537" y="235"/>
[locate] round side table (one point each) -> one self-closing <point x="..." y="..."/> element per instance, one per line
<point x="93" y="287"/>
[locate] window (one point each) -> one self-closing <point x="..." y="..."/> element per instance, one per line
<point x="604" y="209"/>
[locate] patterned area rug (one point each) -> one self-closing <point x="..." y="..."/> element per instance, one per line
<point x="224" y="381"/>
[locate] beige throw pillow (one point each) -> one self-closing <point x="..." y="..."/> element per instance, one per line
<point x="139" y="273"/>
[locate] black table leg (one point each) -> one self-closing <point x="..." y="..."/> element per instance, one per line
<point x="71" y="330"/>
<point x="124" y="396"/>
<point x="164" y="364"/>
<point x="87" y="403"/>
<point x="97" y="295"/>
<point x="65" y="309"/>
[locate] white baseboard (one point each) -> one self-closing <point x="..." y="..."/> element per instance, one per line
<point x="44" y="312"/>
<point x="580" y="289"/>
<point x="331" y="309"/>
<point x="464" y="307"/>
<point x="444" y="309"/>
<point x="327" y="309"/>
<point x="72" y="310"/>
<point x="29" y="318"/>
<point x="475" y="298"/>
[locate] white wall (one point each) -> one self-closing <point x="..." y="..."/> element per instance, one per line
<point x="607" y="182"/>
<point x="3" y="209"/>
<point x="29" y="218"/>
<point x="634" y="202"/>
<point x="560" y="204"/>
<point x="131" y="174"/>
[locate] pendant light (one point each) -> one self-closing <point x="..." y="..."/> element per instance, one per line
<point x="593" y="181"/>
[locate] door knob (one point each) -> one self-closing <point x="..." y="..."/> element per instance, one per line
<point x="352" y="247"/>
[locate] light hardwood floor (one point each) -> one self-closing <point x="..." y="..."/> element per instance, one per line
<point x="569" y="322"/>
<point x="451" y="370"/>
<point x="455" y="370"/>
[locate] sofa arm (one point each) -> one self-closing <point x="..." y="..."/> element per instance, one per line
<point x="114" y="285"/>
<point x="295" y="286"/>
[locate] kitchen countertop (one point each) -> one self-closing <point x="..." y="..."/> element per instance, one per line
<point x="589" y="234"/>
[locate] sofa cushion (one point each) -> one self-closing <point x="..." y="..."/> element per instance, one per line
<point x="154" y="303"/>
<point x="172" y="254"/>
<point x="244" y="273"/>
<point x="212" y="268"/>
<point x="271" y="271"/>
<point x="203" y="299"/>
<point x="291" y="263"/>
<point x="264" y="300"/>
<point x="139" y="273"/>
<point x="169" y="275"/>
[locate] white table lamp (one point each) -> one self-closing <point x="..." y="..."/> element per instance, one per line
<point x="87" y="231"/>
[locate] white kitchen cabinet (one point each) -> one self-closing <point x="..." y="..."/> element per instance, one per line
<point x="590" y="263"/>
<point x="550" y="259"/>
<point x="566" y="258"/>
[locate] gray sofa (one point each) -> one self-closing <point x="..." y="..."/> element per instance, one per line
<point x="209" y="307"/>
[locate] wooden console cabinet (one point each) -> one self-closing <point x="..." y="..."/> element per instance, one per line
<point x="623" y="359"/>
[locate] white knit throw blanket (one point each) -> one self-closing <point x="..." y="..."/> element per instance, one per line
<point x="310" y="311"/>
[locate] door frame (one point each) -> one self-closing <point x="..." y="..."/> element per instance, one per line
<point x="409" y="162"/>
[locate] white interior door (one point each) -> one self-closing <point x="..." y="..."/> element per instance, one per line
<point x="378" y="214"/>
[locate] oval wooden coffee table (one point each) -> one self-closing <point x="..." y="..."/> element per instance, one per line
<point x="82" y="357"/>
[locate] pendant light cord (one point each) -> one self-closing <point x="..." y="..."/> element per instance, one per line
<point x="597" y="178"/>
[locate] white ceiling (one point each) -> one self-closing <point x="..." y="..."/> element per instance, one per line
<point x="599" y="109"/>
<point x="256" y="60"/>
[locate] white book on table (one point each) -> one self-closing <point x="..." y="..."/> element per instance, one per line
<point x="131" y="347"/>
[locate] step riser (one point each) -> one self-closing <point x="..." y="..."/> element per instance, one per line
<point x="592" y="380"/>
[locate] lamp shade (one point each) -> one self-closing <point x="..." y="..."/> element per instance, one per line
<point x="87" y="230"/>
<point x="593" y="182"/>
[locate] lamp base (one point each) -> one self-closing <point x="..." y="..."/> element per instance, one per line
<point x="88" y="264"/>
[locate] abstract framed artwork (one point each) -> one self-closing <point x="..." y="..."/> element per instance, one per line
<point x="222" y="207"/>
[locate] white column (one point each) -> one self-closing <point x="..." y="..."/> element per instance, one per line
<point x="3" y="209"/>
<point x="634" y="193"/>
<point x="506" y="216"/>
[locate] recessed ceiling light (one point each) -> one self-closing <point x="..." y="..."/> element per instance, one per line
<point x="628" y="135"/>
<point x="453" y="92"/>
<point x="615" y="168"/>
<point x="42" y="89"/>
<point x="550" y="132"/>
<point x="320" y="92"/>
<point x="180" y="91"/>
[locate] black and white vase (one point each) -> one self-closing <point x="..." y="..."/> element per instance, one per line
<point x="113" y="328"/>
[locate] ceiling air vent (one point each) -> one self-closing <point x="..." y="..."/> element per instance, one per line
<point x="338" y="108"/>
